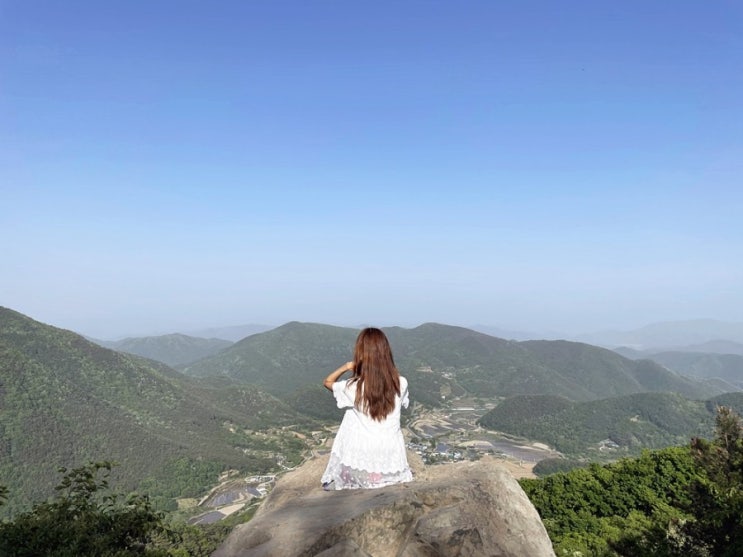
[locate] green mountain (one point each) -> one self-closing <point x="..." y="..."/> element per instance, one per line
<point x="603" y="371"/>
<point x="282" y="360"/>
<point x="65" y="401"/>
<point x="443" y="361"/>
<point x="631" y="422"/>
<point x="175" y="349"/>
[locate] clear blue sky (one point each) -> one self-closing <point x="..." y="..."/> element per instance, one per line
<point x="173" y="165"/>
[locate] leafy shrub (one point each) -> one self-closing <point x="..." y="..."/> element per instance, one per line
<point x="83" y="519"/>
<point x="549" y="466"/>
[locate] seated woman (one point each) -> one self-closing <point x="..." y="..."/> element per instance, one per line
<point x="369" y="449"/>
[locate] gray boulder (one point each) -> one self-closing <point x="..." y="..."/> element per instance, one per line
<point x="464" y="509"/>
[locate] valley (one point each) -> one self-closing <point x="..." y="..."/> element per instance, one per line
<point x="451" y="433"/>
<point x="440" y="436"/>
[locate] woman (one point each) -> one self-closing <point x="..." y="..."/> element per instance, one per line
<point x="369" y="450"/>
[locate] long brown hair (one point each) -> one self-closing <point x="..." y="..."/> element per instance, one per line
<point x="377" y="378"/>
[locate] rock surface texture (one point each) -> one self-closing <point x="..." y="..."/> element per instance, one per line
<point x="465" y="509"/>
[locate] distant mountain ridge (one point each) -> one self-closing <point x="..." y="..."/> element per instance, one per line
<point x="725" y="367"/>
<point x="232" y="333"/>
<point x="714" y="347"/>
<point x="441" y="361"/>
<point x="668" y="335"/>
<point x="174" y="349"/>
<point x="519" y="335"/>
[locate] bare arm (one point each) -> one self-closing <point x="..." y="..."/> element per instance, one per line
<point x="333" y="377"/>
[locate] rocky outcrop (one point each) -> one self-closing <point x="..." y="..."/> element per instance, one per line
<point x="464" y="509"/>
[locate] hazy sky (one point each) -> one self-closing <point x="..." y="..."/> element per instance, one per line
<point x="174" y="165"/>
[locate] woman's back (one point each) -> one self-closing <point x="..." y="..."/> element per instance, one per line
<point x="345" y="396"/>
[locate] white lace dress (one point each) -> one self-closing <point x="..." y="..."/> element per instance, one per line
<point x="367" y="453"/>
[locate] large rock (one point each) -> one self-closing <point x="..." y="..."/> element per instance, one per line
<point x="465" y="509"/>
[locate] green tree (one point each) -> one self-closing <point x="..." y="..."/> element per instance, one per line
<point x="84" y="518"/>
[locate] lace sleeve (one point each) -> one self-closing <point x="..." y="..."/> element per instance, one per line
<point x="344" y="398"/>
<point x="404" y="399"/>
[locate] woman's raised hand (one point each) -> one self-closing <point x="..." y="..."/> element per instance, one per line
<point x="333" y="377"/>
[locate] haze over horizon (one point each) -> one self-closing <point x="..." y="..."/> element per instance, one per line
<point x="536" y="166"/>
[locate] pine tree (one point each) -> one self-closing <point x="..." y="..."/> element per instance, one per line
<point x="717" y="499"/>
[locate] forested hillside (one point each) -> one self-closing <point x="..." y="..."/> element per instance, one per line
<point x="680" y="501"/>
<point x="65" y="401"/>
<point x="283" y="359"/>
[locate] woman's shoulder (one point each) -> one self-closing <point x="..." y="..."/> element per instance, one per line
<point x="344" y="385"/>
<point x="403" y="382"/>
